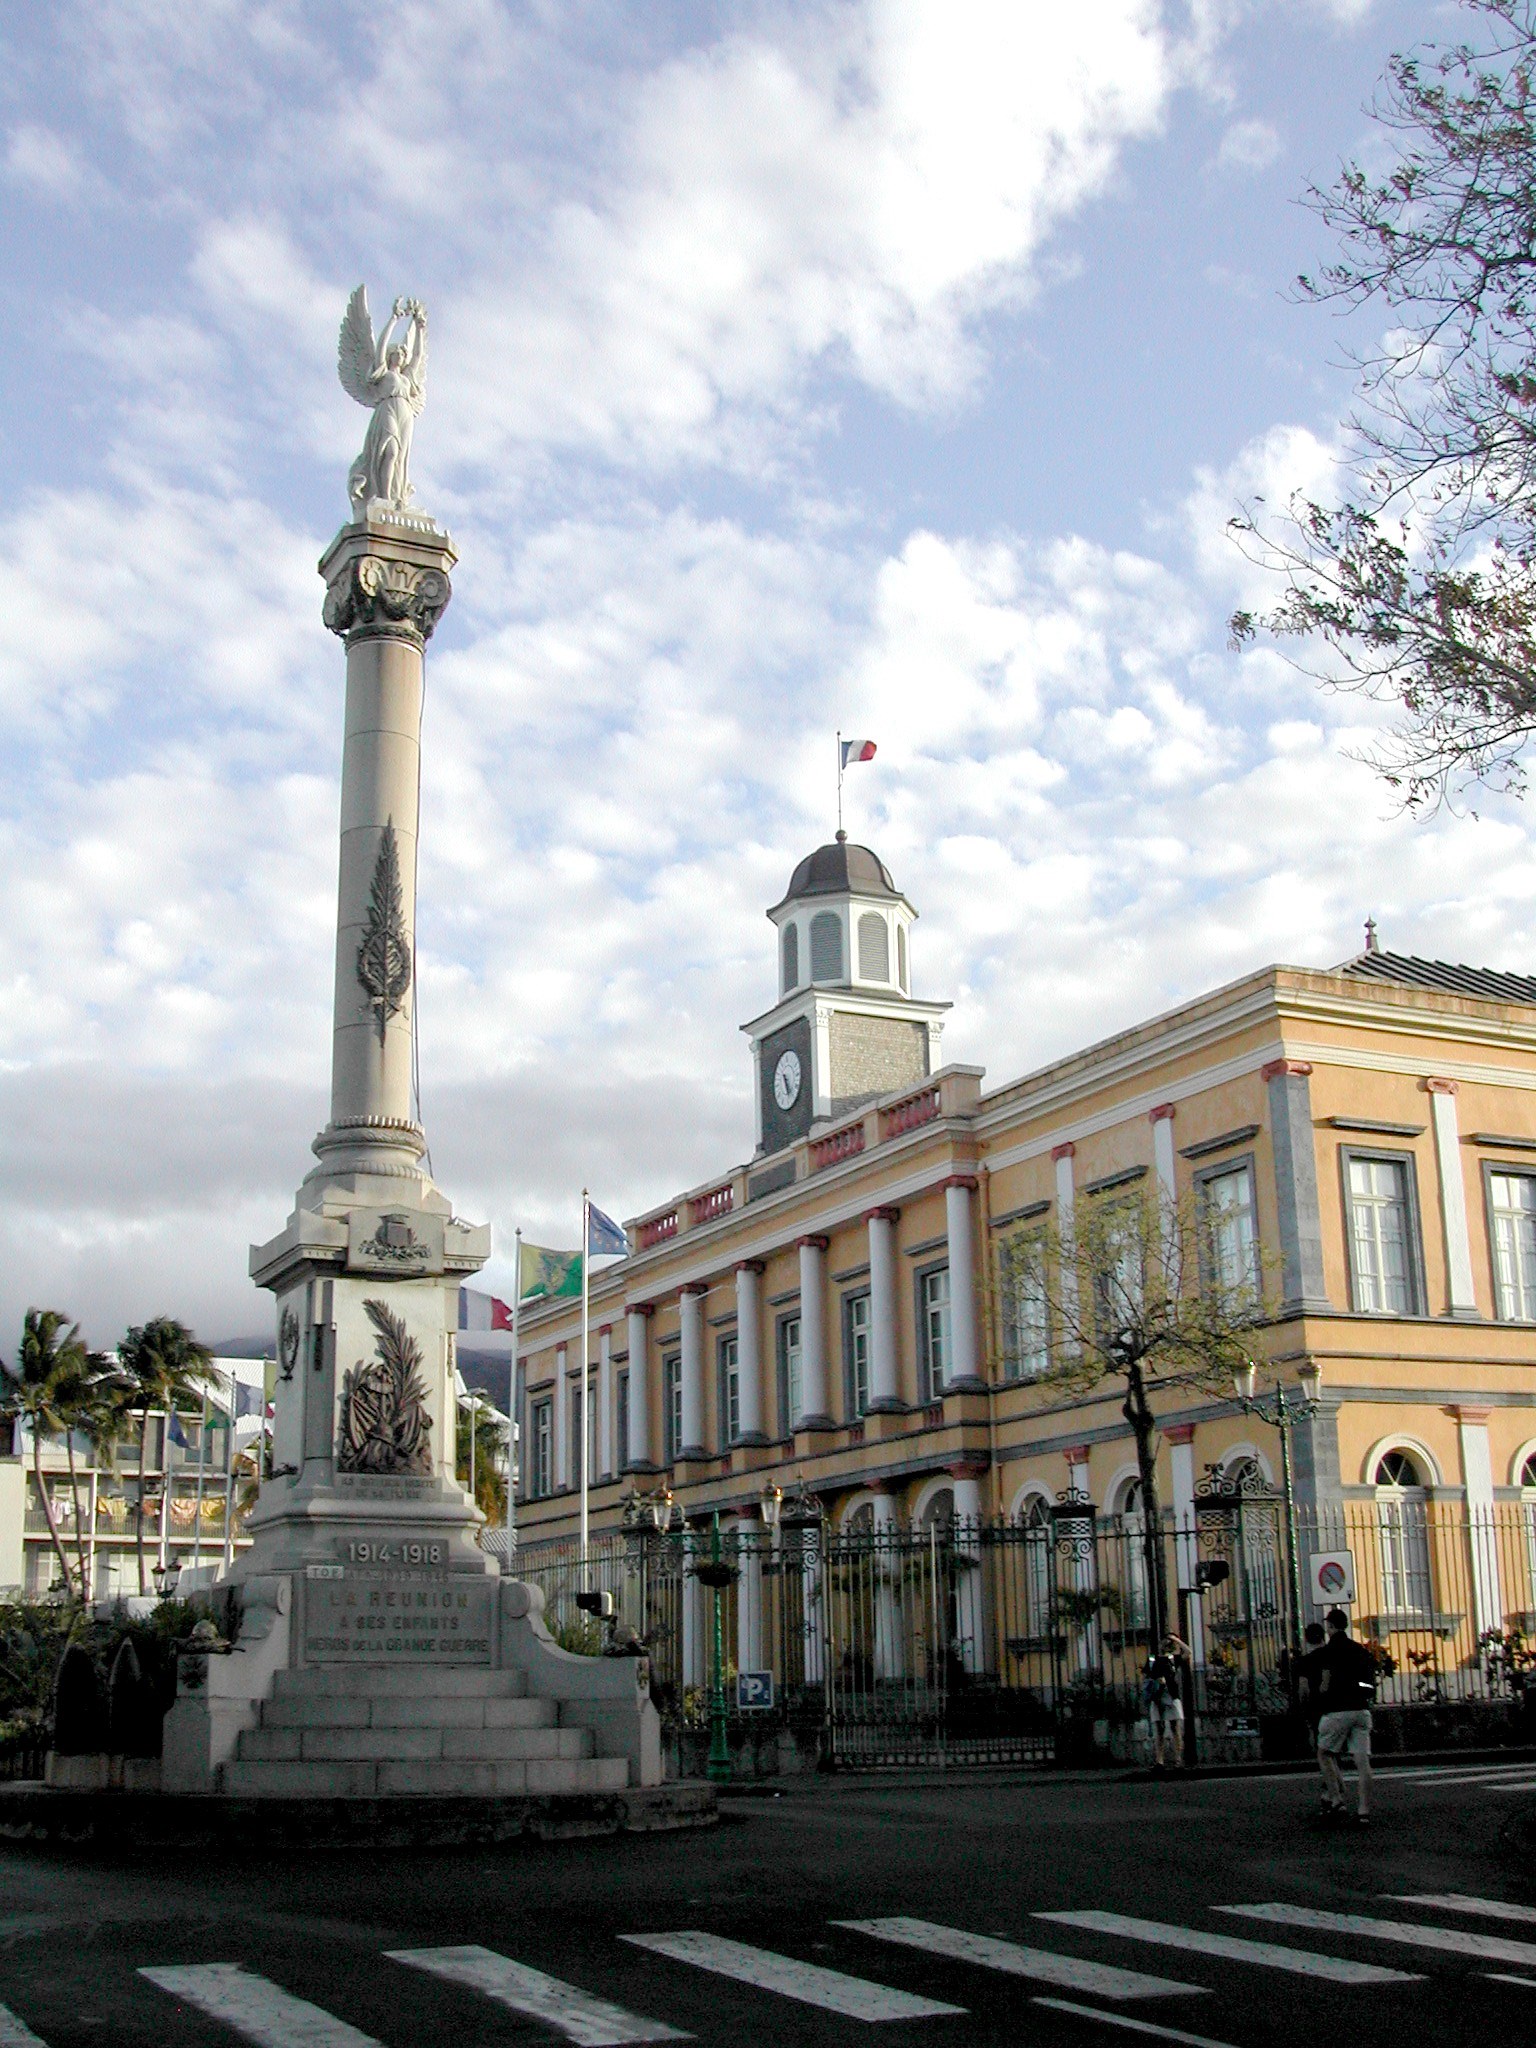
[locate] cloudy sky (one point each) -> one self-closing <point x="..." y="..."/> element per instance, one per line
<point x="891" y="364"/>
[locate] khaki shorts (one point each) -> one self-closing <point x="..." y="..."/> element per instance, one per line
<point x="1350" y="1730"/>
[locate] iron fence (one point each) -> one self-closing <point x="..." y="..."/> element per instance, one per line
<point x="1011" y="1641"/>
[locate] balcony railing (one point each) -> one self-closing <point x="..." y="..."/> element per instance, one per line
<point x="921" y="1107"/>
<point x="715" y="1202"/>
<point x="837" y="1145"/>
<point x="655" y="1229"/>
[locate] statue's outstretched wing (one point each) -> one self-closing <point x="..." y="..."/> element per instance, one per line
<point x="355" y="348"/>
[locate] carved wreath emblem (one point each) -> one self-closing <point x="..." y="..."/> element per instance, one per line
<point x="385" y="1427"/>
<point x="384" y="955"/>
<point x="288" y="1342"/>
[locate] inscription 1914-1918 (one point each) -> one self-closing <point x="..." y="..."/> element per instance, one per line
<point x="397" y="1617"/>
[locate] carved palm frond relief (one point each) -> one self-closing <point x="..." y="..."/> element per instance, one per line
<point x="385" y="1427"/>
<point x="384" y="954"/>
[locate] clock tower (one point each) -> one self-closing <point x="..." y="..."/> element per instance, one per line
<point x="845" y="1028"/>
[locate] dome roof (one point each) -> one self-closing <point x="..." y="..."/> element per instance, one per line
<point x="840" y="869"/>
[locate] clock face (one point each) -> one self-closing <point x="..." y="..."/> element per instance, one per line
<point x="786" y="1080"/>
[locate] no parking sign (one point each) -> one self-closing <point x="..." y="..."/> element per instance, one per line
<point x="1332" y="1574"/>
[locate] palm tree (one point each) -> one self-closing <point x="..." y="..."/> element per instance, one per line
<point x="45" y="1389"/>
<point x="162" y="1365"/>
<point x="99" y="1417"/>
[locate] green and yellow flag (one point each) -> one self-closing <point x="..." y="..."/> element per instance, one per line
<point x="544" y="1275"/>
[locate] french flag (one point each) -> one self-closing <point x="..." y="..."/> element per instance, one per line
<point x="857" y="750"/>
<point x="479" y="1311"/>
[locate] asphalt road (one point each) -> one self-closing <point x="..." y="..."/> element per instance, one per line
<point x="346" y="1932"/>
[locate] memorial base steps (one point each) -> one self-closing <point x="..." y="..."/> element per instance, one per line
<point x="374" y="1732"/>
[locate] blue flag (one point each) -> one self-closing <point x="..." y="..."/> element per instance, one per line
<point x="175" y="1431"/>
<point x="605" y="1238"/>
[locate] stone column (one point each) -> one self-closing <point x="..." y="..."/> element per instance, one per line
<point x="964" y="1361"/>
<point x="691" y="1312"/>
<point x="890" y="1661"/>
<point x="1162" y="1151"/>
<point x="749" y="1592"/>
<point x="970" y="1585"/>
<point x="1062" y="1158"/>
<point x="1461" y="1294"/>
<point x="749" y="1350"/>
<point x="1482" y="1536"/>
<point x="561" y="1418"/>
<point x="641" y="1458"/>
<point x="1301" y="1224"/>
<point x="884" y="1389"/>
<point x="386" y="587"/>
<point x="606" y="1464"/>
<point x="1180" y="1439"/>
<point x="815" y="1412"/>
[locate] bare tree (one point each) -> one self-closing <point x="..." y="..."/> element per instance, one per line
<point x="1419" y="586"/>
<point x="1151" y="1297"/>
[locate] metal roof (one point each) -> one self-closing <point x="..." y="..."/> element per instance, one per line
<point x="1489" y="983"/>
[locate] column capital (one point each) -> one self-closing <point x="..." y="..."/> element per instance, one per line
<point x="640" y="1308"/>
<point x="1067" y="1151"/>
<point x="968" y="1181"/>
<point x="387" y="582"/>
<point x="1287" y="1068"/>
<point x="605" y="1329"/>
<point x="1163" y="1113"/>
<point x="888" y="1212"/>
<point x="1465" y="1412"/>
<point x="698" y="1288"/>
<point x="1435" y="1086"/>
<point x="968" y="1468"/>
<point x="1077" y="1454"/>
<point x="1179" y="1433"/>
<point x="751" y="1266"/>
<point x="813" y="1243"/>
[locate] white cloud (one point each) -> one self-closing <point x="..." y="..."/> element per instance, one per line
<point x="1249" y="146"/>
<point x="44" y="160"/>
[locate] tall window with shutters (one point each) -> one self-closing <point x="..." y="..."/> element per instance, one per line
<point x="791" y="1402"/>
<point x="1383" y="1246"/>
<point x="620" y="1421"/>
<point x="1512" y="1215"/>
<point x="1023" y="1302"/>
<point x="672" y="1403"/>
<point x="1402" y="1512"/>
<point x="1230" y="1235"/>
<point x="856" y="1353"/>
<point x="932" y="1332"/>
<point x="826" y="946"/>
<point x="874" y="947"/>
<point x="729" y="1357"/>
<point x="789" y="947"/>
<point x="541" y="1462"/>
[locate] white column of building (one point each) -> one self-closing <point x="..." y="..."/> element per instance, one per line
<point x="691" y="1315"/>
<point x="749" y="1351"/>
<point x="889" y="1661"/>
<point x="749" y="1593"/>
<point x="607" y="1462"/>
<point x="560" y="1400"/>
<point x="640" y="1453"/>
<point x="1453" y="1198"/>
<point x="1162" y="1152"/>
<point x="1477" y="1477"/>
<point x="884" y="1392"/>
<point x="814" y="1410"/>
<point x="959" y="1218"/>
<point x="970" y="1593"/>
<point x="1180" y="1439"/>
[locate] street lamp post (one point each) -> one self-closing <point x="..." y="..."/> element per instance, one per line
<point x="1283" y="1413"/>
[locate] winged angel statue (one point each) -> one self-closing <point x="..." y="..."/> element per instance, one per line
<point x="390" y="376"/>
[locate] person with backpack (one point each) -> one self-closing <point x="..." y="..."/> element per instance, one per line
<point x="1346" y="1686"/>
<point x="1162" y="1688"/>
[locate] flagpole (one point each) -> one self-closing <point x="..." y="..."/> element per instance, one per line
<point x="839" y="782"/>
<point x="586" y="1234"/>
<point x="229" y="1475"/>
<point x="202" y="1459"/>
<point x="512" y="1417"/>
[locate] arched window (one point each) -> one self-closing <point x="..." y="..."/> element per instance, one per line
<point x="901" y="957"/>
<point x="861" y="1517"/>
<point x="1528" y="1471"/>
<point x="940" y="1511"/>
<point x="1039" y="1561"/>
<point x="874" y="947"/>
<point x="1402" y="1510"/>
<point x="826" y="946"/>
<point x="789" y="945"/>
<point x="1130" y="1530"/>
<point x="1527" y="1483"/>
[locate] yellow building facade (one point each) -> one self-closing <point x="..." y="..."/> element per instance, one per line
<point x="854" y="1313"/>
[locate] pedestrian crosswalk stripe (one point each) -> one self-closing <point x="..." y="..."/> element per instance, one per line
<point x="1123" y="2019"/>
<point x="1302" y="1961"/>
<point x="1464" y="1902"/>
<point x="1507" y="1785"/>
<point x="1501" y="1977"/>
<point x="592" y="2022"/>
<point x="1493" y="1948"/>
<point x="1460" y="1774"/>
<point x="262" y="2012"/>
<point x="855" y="1997"/>
<point x="1039" y="1963"/>
<point x="14" y="2033"/>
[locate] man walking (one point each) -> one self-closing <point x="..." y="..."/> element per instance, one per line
<point x="1346" y="1685"/>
